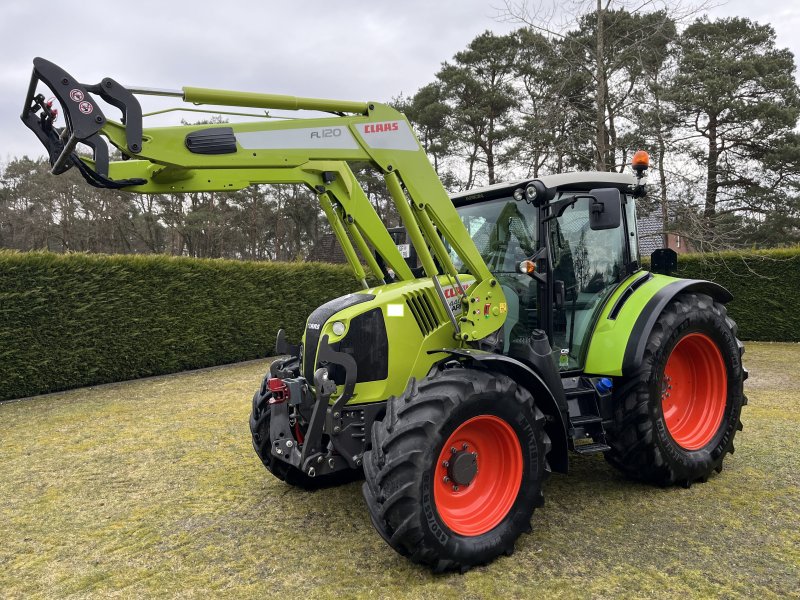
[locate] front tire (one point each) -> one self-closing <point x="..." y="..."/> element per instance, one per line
<point x="456" y="468"/>
<point x="676" y="417"/>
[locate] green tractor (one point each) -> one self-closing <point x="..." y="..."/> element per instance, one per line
<point x="515" y="327"/>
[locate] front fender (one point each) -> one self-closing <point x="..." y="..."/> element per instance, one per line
<point x="547" y="399"/>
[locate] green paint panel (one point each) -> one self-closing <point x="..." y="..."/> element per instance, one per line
<point x="408" y="346"/>
<point x="317" y="152"/>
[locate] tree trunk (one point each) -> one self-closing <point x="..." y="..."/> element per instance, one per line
<point x="662" y="180"/>
<point x="611" y="146"/>
<point x="600" y="133"/>
<point x="490" y="164"/>
<point x="490" y="152"/>
<point x="711" y="172"/>
<point x="471" y="176"/>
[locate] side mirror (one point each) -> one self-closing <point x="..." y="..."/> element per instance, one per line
<point x="605" y="210"/>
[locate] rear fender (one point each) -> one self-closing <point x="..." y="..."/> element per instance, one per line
<point x="643" y="327"/>
<point x="619" y="336"/>
<point x="546" y="399"/>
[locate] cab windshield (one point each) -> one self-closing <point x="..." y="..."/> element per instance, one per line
<point x="503" y="230"/>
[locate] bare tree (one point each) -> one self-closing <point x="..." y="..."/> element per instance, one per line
<point x="594" y="53"/>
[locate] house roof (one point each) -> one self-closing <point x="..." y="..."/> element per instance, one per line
<point x="327" y="249"/>
<point x="650" y="235"/>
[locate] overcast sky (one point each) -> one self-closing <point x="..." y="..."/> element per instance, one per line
<point x="340" y="49"/>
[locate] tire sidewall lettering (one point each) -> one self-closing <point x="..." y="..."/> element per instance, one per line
<point x="524" y="426"/>
<point x="431" y="517"/>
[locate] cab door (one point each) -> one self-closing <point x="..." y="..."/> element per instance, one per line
<point x="587" y="266"/>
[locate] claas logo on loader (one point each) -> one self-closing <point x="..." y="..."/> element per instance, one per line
<point x="450" y="291"/>
<point x="381" y="127"/>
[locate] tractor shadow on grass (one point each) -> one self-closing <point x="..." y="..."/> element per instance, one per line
<point x="338" y="515"/>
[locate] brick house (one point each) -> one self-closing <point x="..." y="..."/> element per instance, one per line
<point x="651" y="237"/>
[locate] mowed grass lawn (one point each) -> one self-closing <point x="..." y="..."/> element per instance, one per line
<point x="151" y="488"/>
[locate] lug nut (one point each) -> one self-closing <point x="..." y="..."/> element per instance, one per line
<point x="312" y="472"/>
<point x="446" y="479"/>
<point x="278" y="451"/>
<point x="337" y="429"/>
<point x="455" y="488"/>
<point x="320" y="458"/>
<point x="289" y="443"/>
<point x="452" y="450"/>
<point x="464" y="446"/>
<point x="331" y="462"/>
<point x="445" y="464"/>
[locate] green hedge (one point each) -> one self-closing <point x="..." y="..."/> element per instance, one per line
<point x="75" y="320"/>
<point x="765" y="285"/>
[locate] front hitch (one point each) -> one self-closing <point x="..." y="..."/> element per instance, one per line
<point x="308" y="453"/>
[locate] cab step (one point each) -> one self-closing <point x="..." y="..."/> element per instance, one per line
<point x="594" y="448"/>
<point x="583" y="420"/>
<point x="585" y="415"/>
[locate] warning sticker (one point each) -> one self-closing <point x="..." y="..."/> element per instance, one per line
<point x="395" y="310"/>
<point x="453" y="296"/>
<point x="76" y="95"/>
<point x="85" y="107"/>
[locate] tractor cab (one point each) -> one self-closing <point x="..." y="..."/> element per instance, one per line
<point x="559" y="246"/>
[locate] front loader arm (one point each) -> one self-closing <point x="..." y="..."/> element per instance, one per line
<point x="316" y="152"/>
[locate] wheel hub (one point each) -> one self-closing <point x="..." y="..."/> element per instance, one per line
<point x="462" y="467"/>
<point x="472" y="500"/>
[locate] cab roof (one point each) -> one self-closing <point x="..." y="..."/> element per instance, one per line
<point x="579" y="180"/>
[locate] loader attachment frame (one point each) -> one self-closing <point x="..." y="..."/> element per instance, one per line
<point x="316" y="152"/>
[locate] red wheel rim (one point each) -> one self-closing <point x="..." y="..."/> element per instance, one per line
<point x="481" y="505"/>
<point x="694" y="391"/>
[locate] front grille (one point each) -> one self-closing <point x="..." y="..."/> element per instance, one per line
<point x="421" y="307"/>
<point x="314" y="327"/>
<point x="366" y="341"/>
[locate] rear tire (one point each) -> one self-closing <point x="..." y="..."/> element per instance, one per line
<point x="494" y="477"/>
<point x="676" y="417"/>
